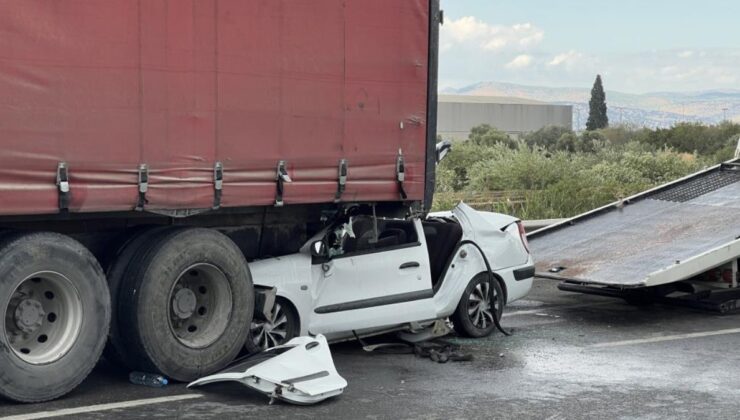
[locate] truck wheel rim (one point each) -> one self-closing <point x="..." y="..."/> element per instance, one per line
<point x="200" y="305"/>
<point x="272" y="332"/>
<point x="43" y="318"/>
<point x="480" y="308"/>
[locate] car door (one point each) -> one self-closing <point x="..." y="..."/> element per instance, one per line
<point x="374" y="288"/>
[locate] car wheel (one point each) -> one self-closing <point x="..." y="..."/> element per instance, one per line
<point x="474" y="314"/>
<point x="282" y="326"/>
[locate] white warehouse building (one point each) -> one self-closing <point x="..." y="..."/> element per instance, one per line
<point x="457" y="114"/>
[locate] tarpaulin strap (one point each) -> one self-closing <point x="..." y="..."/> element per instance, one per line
<point x="281" y="177"/>
<point x="401" y="174"/>
<point x="143" y="186"/>
<point x="218" y="184"/>
<point x="341" y="180"/>
<point x="63" y="186"/>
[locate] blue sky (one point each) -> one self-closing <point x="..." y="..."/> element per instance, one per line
<point x="638" y="46"/>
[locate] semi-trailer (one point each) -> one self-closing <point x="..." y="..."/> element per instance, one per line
<point x="150" y="149"/>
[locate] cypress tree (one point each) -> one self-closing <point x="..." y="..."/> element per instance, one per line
<point x="597" y="107"/>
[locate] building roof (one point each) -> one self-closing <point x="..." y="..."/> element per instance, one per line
<point x="470" y="99"/>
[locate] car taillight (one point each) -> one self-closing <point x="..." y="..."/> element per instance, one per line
<point x="523" y="235"/>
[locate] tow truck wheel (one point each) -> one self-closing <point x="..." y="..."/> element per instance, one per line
<point x="55" y="313"/>
<point x="478" y="305"/>
<point x="183" y="304"/>
<point x="281" y="327"/>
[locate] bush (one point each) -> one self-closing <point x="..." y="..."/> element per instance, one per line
<point x="555" y="173"/>
<point x="691" y="137"/>
<point x="485" y="135"/>
<point x="546" y="137"/>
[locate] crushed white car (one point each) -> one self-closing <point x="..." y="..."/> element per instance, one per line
<point x="363" y="275"/>
<point x="300" y="372"/>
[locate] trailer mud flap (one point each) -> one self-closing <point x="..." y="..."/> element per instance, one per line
<point x="300" y="372"/>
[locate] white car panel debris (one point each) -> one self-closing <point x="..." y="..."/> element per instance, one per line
<point x="300" y="372"/>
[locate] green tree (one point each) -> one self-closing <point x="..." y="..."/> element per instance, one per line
<point x="597" y="107"/>
<point x="485" y="135"/>
<point x="546" y="137"/>
<point x="568" y="142"/>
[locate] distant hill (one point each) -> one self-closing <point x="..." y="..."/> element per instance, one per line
<point x="658" y="109"/>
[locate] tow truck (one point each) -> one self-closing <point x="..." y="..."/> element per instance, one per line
<point x="677" y="243"/>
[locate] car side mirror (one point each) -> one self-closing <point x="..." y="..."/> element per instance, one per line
<point x="442" y="149"/>
<point x="318" y="249"/>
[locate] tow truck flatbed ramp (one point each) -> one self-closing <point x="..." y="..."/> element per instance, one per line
<point x="667" y="234"/>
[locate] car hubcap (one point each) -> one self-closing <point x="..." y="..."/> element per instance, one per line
<point x="43" y="318"/>
<point x="200" y="305"/>
<point x="481" y="306"/>
<point x="272" y="332"/>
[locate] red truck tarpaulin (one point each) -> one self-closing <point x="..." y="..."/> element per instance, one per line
<point x="179" y="85"/>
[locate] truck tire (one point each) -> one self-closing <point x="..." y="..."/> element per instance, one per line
<point x="55" y="314"/>
<point x="473" y="316"/>
<point x="128" y="246"/>
<point x="184" y="304"/>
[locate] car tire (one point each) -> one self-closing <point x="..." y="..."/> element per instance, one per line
<point x="474" y="314"/>
<point x="183" y="304"/>
<point x="283" y="326"/>
<point x="55" y="315"/>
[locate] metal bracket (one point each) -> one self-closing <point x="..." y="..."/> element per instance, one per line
<point x="401" y="174"/>
<point x="218" y="184"/>
<point x="281" y="177"/>
<point x="341" y="180"/>
<point x="143" y="186"/>
<point x="63" y="186"/>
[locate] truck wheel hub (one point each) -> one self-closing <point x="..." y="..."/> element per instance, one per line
<point x="29" y="315"/>
<point x="184" y="303"/>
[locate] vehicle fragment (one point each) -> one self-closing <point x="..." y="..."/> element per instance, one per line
<point x="436" y="329"/>
<point x="300" y="372"/>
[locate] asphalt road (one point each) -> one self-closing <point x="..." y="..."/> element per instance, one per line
<point x="571" y="357"/>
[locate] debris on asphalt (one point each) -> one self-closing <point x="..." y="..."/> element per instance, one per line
<point x="441" y="351"/>
<point x="437" y="350"/>
<point x="148" y="379"/>
<point x="300" y="372"/>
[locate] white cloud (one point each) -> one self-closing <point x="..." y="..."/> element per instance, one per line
<point x="469" y="29"/>
<point x="565" y="59"/>
<point x="465" y="28"/>
<point x="520" y="62"/>
<point x="474" y="50"/>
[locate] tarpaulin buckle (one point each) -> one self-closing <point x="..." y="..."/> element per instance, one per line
<point x="218" y="183"/>
<point x="143" y="186"/>
<point x="281" y="177"/>
<point x="401" y="174"/>
<point x="63" y="186"/>
<point x="341" y="180"/>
